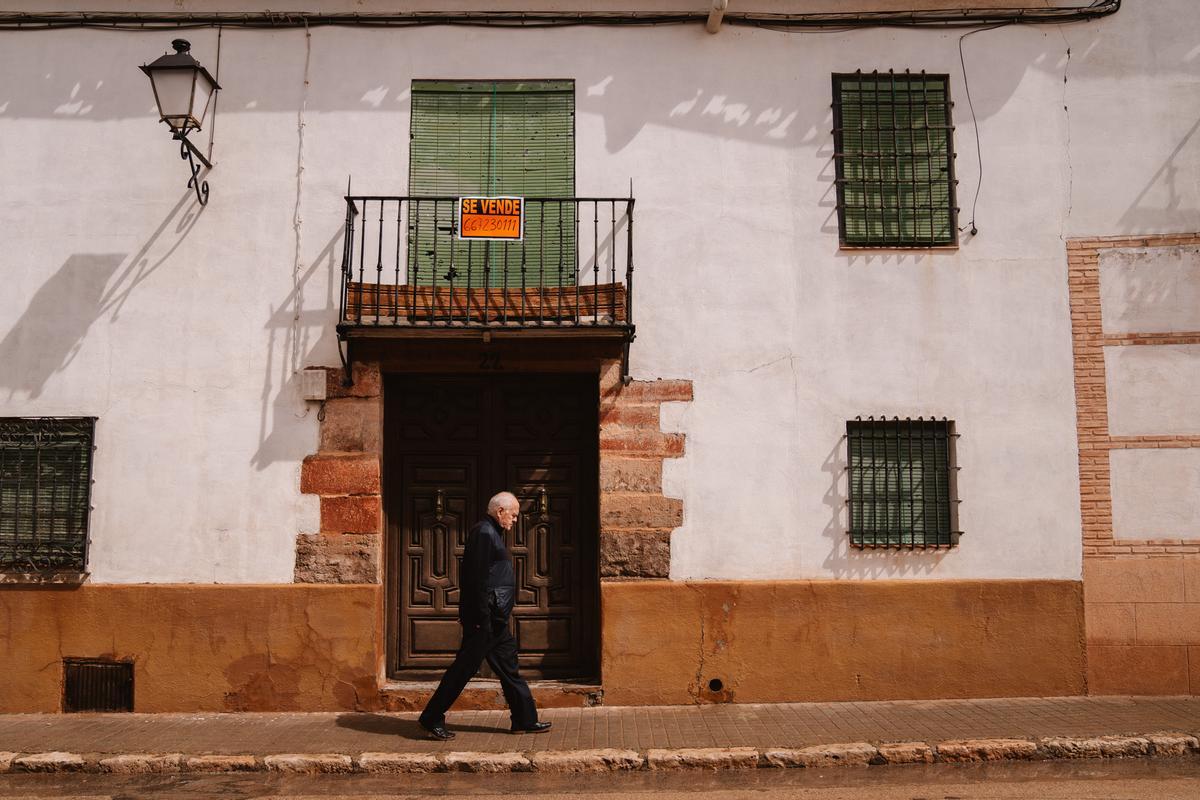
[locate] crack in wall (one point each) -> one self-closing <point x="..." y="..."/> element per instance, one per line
<point x="698" y="687"/>
<point x="297" y="219"/>
<point x="1070" y="188"/>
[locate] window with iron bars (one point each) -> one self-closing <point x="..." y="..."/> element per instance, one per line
<point x="45" y="493"/>
<point x="901" y="486"/>
<point x="894" y="158"/>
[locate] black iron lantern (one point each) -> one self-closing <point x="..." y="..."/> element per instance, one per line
<point x="183" y="90"/>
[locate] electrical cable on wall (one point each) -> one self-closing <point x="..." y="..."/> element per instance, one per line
<point x="974" y="123"/>
<point x="946" y="18"/>
<point x="212" y="125"/>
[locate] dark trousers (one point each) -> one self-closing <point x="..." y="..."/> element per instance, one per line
<point x="493" y="642"/>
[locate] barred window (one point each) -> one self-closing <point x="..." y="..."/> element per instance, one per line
<point x="901" y="483"/>
<point x="894" y="155"/>
<point x="45" y="493"/>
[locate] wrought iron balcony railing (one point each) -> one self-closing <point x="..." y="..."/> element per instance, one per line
<point x="403" y="266"/>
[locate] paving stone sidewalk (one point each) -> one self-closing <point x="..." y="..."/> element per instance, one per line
<point x="734" y="735"/>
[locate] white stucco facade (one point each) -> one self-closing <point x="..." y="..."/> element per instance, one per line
<point x="182" y="328"/>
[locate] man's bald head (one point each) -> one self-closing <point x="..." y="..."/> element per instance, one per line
<point x="501" y="500"/>
<point x="504" y="507"/>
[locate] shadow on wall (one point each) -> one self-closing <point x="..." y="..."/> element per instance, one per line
<point x="1145" y="215"/>
<point x="295" y="324"/>
<point x="845" y="561"/>
<point x="51" y="330"/>
<point x="644" y="87"/>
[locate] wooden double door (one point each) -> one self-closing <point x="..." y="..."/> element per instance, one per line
<point x="450" y="444"/>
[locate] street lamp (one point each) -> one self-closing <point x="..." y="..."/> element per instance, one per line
<point x="183" y="90"/>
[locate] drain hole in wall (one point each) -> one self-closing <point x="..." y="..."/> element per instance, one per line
<point x="715" y="685"/>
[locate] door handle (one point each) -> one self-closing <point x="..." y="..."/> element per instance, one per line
<point x="543" y="502"/>
<point x="440" y="503"/>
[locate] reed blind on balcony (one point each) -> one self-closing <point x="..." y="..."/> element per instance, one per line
<point x="493" y="138"/>
<point x="895" y="159"/>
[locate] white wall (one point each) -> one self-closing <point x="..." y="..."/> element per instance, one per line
<point x="1154" y="494"/>
<point x="1150" y="290"/>
<point x="182" y="328"/>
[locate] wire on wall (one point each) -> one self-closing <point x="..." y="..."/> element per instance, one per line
<point x="212" y="125"/>
<point x="945" y="18"/>
<point x="974" y="123"/>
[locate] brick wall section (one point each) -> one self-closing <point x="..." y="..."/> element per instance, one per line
<point x="345" y="474"/>
<point x="636" y="518"/>
<point x="1091" y="398"/>
<point x="1141" y="597"/>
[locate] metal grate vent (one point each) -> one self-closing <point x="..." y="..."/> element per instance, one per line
<point x="97" y="685"/>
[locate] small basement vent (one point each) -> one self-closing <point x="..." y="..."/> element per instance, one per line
<point x="97" y="685"/>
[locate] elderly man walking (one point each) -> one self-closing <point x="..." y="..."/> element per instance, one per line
<point x="487" y="591"/>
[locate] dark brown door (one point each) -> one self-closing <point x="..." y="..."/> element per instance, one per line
<point x="453" y="442"/>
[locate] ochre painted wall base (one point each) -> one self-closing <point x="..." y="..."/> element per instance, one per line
<point x="296" y="647"/>
<point x="289" y="647"/>
<point x="664" y="642"/>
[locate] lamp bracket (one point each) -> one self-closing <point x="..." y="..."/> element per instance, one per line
<point x="187" y="151"/>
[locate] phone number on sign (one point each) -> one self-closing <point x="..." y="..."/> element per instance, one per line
<point x="504" y="225"/>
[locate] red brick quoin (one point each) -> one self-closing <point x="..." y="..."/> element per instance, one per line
<point x="636" y="518"/>
<point x="344" y="473"/>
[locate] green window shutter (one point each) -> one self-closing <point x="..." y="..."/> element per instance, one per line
<point x="900" y="492"/>
<point x="45" y="492"/>
<point x="493" y="138"/>
<point x="894" y="156"/>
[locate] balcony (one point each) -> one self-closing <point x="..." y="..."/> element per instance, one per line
<point x="406" y="272"/>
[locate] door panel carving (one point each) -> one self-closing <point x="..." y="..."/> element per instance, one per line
<point x="439" y="508"/>
<point x="457" y="441"/>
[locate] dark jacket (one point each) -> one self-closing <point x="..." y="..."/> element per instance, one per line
<point x="486" y="568"/>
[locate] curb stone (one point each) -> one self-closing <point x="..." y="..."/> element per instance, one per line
<point x="703" y="758"/>
<point x="906" y="753"/>
<point x="399" y="762"/>
<point x="244" y="763"/>
<point x="973" y="750"/>
<point x="1173" y="744"/>
<point x="142" y="763"/>
<point x="487" y="762"/>
<point x="56" y="761"/>
<point x="855" y="754"/>
<point x="1158" y="745"/>
<point x="310" y="762"/>
<point x="599" y="760"/>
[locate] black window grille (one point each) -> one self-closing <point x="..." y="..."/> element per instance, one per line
<point x="901" y="483"/>
<point x="45" y="493"/>
<point x="894" y="156"/>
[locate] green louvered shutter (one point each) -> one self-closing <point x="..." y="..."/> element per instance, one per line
<point x="899" y="481"/>
<point x="895" y="159"/>
<point x="493" y="138"/>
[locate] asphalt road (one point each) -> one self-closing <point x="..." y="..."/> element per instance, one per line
<point x="1173" y="779"/>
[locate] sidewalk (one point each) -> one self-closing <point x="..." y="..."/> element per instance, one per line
<point x="791" y="734"/>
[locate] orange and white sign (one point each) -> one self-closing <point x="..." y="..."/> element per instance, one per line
<point x="491" y="218"/>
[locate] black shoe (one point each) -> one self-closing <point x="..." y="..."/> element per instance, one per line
<point x="537" y="727"/>
<point x="437" y="731"/>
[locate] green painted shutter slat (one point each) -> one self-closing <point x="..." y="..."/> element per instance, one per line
<point x="501" y="138"/>
<point x="895" y="149"/>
